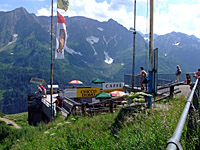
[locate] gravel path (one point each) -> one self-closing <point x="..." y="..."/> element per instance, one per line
<point x="10" y="122"/>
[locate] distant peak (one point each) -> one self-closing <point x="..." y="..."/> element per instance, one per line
<point x="20" y="10"/>
<point x="111" y="20"/>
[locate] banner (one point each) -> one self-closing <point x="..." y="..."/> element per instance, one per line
<point x="63" y="4"/>
<point x="61" y="37"/>
<point x="87" y="92"/>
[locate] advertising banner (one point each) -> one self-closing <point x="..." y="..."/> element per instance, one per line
<point x="87" y="92"/>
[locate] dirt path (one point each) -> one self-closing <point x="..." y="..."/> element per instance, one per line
<point x="10" y="122"/>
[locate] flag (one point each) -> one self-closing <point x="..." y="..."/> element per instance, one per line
<point x="63" y="4"/>
<point x="61" y="36"/>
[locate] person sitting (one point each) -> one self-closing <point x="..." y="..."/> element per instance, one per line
<point x="188" y="79"/>
<point x="196" y="75"/>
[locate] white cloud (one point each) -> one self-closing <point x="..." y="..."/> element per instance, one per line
<point x="47" y="11"/>
<point x="169" y="15"/>
<point x="43" y="12"/>
<point x="179" y="17"/>
<point x="118" y="4"/>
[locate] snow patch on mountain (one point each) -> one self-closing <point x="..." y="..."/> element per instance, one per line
<point x="115" y="40"/>
<point x="71" y="51"/>
<point x="92" y="40"/>
<point x="146" y="38"/>
<point x="176" y="43"/>
<point x="110" y="39"/>
<point x="100" y="29"/>
<point x="14" y="39"/>
<point x="95" y="52"/>
<point x="107" y="41"/>
<point x="108" y="59"/>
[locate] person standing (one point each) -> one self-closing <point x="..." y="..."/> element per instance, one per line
<point x="178" y="73"/>
<point x="143" y="74"/>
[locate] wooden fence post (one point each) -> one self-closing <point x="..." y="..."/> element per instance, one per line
<point x="111" y="105"/>
<point x="83" y="109"/>
<point x="171" y="92"/>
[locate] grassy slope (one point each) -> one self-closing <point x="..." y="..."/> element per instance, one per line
<point x="142" y="130"/>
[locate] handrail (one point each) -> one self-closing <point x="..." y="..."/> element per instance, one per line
<point x="173" y="142"/>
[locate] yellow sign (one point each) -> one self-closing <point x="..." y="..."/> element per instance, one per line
<point x="87" y="92"/>
<point x="110" y="90"/>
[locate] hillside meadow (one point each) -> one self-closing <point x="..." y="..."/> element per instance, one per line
<point x="141" y="129"/>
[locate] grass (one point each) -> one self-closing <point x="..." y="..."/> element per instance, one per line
<point x="135" y="130"/>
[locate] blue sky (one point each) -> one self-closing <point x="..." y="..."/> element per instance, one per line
<point x="169" y="15"/>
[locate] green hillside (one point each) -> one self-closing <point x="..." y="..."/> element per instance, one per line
<point x="137" y="130"/>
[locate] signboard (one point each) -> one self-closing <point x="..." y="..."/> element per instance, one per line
<point x="113" y="85"/>
<point x="70" y="93"/>
<point x="87" y="92"/>
<point x="37" y="80"/>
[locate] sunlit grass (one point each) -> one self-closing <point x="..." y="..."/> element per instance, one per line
<point x="142" y="129"/>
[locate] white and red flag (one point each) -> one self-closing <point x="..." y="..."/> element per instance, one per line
<point x="61" y="37"/>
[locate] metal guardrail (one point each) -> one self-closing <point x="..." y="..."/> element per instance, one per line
<point x="163" y="78"/>
<point x="173" y="142"/>
<point x="168" y="78"/>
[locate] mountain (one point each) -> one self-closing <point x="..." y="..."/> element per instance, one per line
<point x="180" y="47"/>
<point x="94" y="50"/>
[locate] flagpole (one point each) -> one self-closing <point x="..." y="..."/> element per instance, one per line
<point x="51" y="58"/>
<point x="151" y="53"/>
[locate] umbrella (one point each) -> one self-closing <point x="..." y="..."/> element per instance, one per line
<point x="103" y="95"/>
<point x="75" y="82"/>
<point x="97" y="81"/>
<point x="117" y="93"/>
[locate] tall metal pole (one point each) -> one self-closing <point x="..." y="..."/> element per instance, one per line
<point x="151" y="53"/>
<point x="134" y="34"/>
<point x="51" y="59"/>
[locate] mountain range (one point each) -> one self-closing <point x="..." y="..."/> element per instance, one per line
<point x="94" y="50"/>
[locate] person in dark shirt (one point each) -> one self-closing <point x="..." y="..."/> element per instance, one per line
<point x="178" y="73"/>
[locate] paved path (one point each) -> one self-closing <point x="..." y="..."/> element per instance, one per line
<point x="185" y="91"/>
<point x="10" y="122"/>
